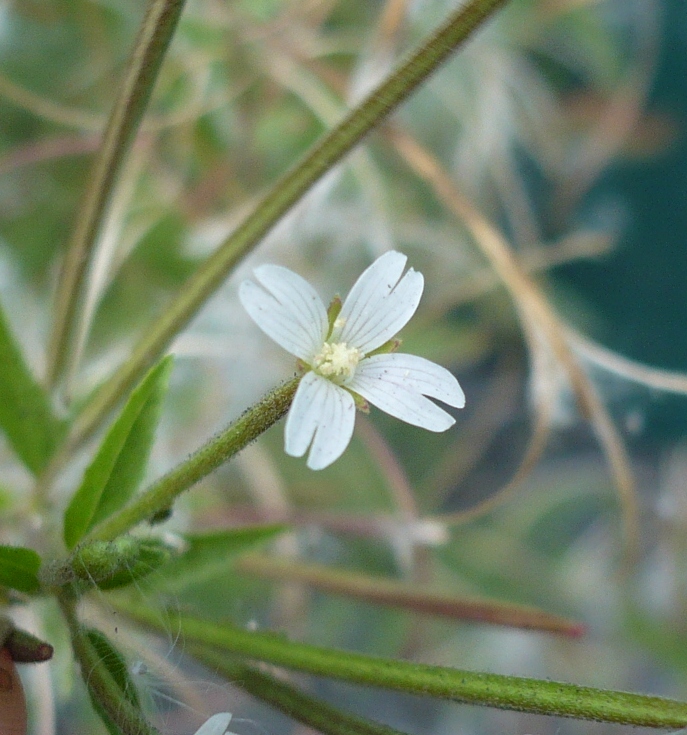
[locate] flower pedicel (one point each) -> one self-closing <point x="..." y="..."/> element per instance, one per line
<point x="346" y="355"/>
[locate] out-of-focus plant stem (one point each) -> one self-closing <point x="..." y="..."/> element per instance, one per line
<point x="156" y="32"/>
<point x="380" y="591"/>
<point x="325" y="154"/>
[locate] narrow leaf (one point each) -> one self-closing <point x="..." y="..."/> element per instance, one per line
<point x="19" y="568"/>
<point x="115" y="664"/>
<point x="26" y="417"/>
<point x="118" y="467"/>
<point x="209" y="554"/>
<point x="131" y="463"/>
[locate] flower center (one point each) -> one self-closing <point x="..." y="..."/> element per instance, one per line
<point x="336" y="361"/>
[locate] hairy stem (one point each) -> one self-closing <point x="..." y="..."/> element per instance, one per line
<point x="102" y="687"/>
<point x="156" y="32"/>
<point x="325" y="154"/>
<point x="294" y="703"/>
<point x="162" y="493"/>
<point x="492" y="690"/>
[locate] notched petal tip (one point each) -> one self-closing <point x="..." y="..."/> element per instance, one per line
<point x="321" y="420"/>
<point x="413" y="373"/>
<point x="401" y="385"/>
<point x="381" y="302"/>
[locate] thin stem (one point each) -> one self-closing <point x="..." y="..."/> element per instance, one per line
<point x="492" y="690"/>
<point x="413" y="597"/>
<point x="308" y="710"/>
<point x="102" y="687"/>
<point x="156" y="31"/>
<point x="538" y="319"/>
<point x="329" y="151"/>
<point x="162" y="493"/>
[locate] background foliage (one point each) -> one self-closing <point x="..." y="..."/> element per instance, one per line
<point x="505" y="179"/>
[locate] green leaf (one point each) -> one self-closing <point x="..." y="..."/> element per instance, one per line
<point x="118" y="467"/>
<point x="19" y="568"/>
<point x="209" y="554"/>
<point x="26" y="416"/>
<point x="115" y="663"/>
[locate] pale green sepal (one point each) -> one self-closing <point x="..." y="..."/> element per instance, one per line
<point x="333" y="311"/>
<point x="387" y="348"/>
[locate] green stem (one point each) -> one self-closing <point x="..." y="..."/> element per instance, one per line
<point x="291" y="701"/>
<point x="279" y="200"/>
<point x="156" y="32"/>
<point x="162" y="493"/>
<point x="102" y="687"/>
<point x="492" y="690"/>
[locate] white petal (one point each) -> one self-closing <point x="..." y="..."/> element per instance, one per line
<point x="321" y="417"/>
<point x="379" y="304"/>
<point x="416" y="374"/>
<point x="287" y="308"/>
<point x="397" y="387"/>
<point x="288" y="287"/>
<point x="216" y="725"/>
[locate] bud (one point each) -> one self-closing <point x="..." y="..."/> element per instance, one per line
<point x="99" y="561"/>
<point x="25" y="648"/>
<point x="111" y="564"/>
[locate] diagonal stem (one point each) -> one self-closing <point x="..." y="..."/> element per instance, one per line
<point x="156" y="32"/>
<point x="218" y="450"/>
<point x="315" y="713"/>
<point x="472" y="687"/>
<point x="409" y="596"/>
<point x="329" y="151"/>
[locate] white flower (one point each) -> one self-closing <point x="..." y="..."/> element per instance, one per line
<point x="338" y="352"/>
<point x="216" y="725"/>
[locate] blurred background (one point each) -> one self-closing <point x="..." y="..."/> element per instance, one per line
<point x="560" y="127"/>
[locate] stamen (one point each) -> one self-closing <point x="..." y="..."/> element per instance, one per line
<point x="337" y="361"/>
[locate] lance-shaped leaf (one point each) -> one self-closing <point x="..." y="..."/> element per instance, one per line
<point x="19" y="569"/>
<point x="26" y="417"/>
<point x="118" y="467"/>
